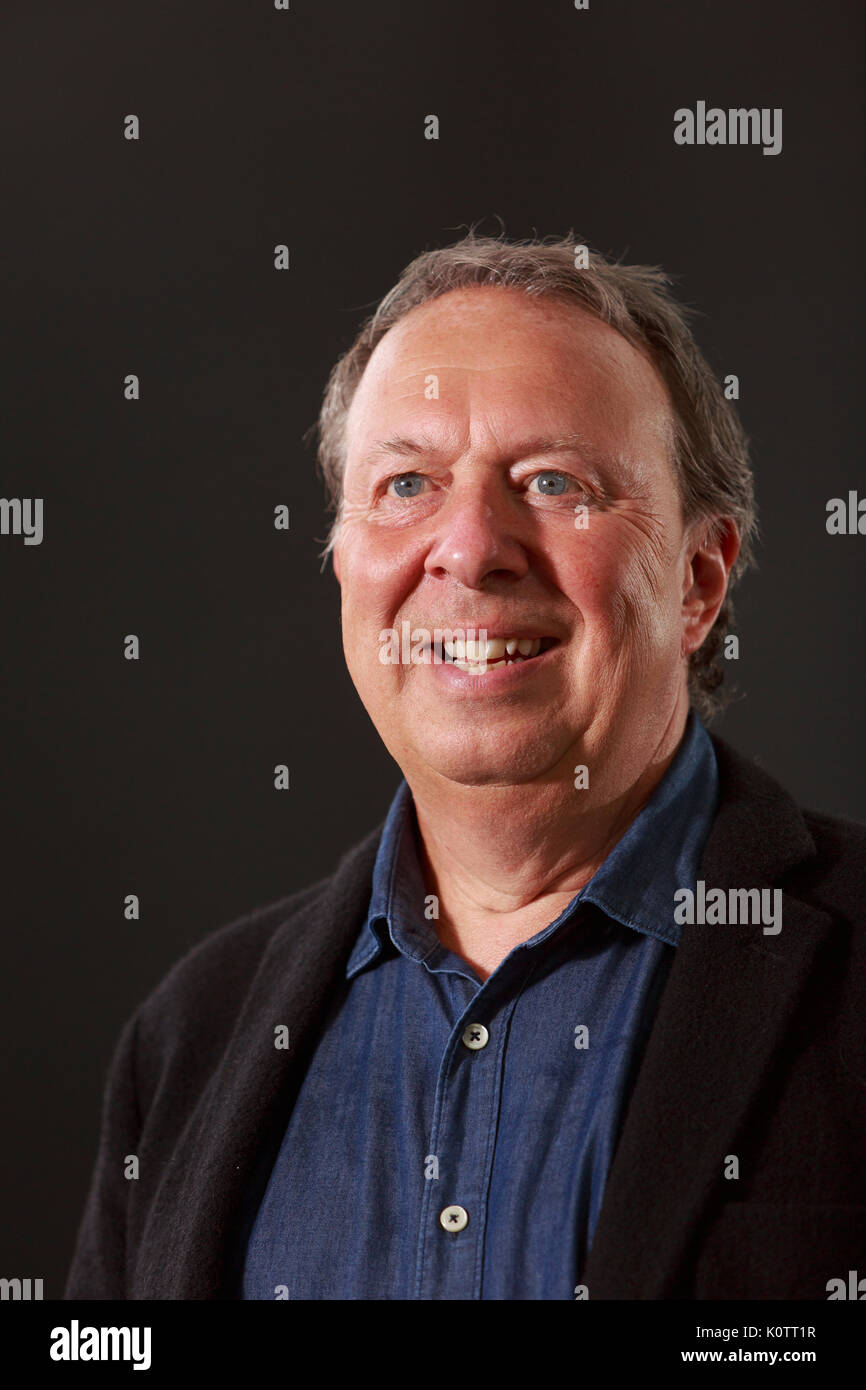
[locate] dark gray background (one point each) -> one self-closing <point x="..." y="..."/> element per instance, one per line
<point x="306" y="127"/>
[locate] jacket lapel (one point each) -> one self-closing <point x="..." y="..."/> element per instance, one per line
<point x="192" y="1225"/>
<point x="720" y="1026"/>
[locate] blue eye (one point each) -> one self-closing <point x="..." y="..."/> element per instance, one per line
<point x="407" y="484"/>
<point x="551" y="484"/>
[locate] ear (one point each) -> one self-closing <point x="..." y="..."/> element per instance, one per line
<point x="709" y="557"/>
<point x="336" y="559"/>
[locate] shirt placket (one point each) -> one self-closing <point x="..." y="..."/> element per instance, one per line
<point x="462" y="1140"/>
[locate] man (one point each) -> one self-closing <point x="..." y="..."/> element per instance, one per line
<point x="580" y="1020"/>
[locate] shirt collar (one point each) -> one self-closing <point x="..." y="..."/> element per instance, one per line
<point x="661" y="850"/>
<point x="658" y="854"/>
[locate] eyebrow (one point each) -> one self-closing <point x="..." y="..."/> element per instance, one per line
<point x="400" y="446"/>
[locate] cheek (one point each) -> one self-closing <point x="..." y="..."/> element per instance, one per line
<point x="370" y="596"/>
<point x="620" y="582"/>
<point x="365" y="571"/>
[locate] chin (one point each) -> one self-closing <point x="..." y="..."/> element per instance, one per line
<point x="511" y="763"/>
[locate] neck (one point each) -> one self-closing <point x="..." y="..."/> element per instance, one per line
<point x="505" y="861"/>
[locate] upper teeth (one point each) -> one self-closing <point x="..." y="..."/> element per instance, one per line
<point x="493" y="649"/>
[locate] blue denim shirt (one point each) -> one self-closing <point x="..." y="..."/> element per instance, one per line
<point x="430" y="1093"/>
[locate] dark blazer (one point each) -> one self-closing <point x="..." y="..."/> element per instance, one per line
<point x="758" y="1050"/>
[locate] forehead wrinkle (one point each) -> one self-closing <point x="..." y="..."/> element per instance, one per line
<point x="459" y="367"/>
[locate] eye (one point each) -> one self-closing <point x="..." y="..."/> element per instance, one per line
<point x="405" y="485"/>
<point x="550" y="483"/>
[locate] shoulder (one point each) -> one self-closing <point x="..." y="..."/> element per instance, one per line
<point x="822" y="856"/>
<point x="838" y="871"/>
<point x="196" y="1004"/>
<point x="228" y="957"/>
<point x="837" y="834"/>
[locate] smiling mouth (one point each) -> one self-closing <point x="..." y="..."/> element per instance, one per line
<point x="477" y="658"/>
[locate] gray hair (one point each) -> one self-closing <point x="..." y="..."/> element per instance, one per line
<point x="710" y="448"/>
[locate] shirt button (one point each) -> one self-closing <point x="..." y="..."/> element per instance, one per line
<point x="453" y="1218"/>
<point x="476" y="1036"/>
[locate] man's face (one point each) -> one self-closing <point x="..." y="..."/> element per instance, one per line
<point x="484" y="422"/>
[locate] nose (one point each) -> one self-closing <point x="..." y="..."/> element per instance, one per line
<point x="476" y="536"/>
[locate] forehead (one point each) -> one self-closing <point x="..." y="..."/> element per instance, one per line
<point x="504" y="362"/>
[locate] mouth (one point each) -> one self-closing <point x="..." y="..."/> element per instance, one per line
<point x="479" y="657"/>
